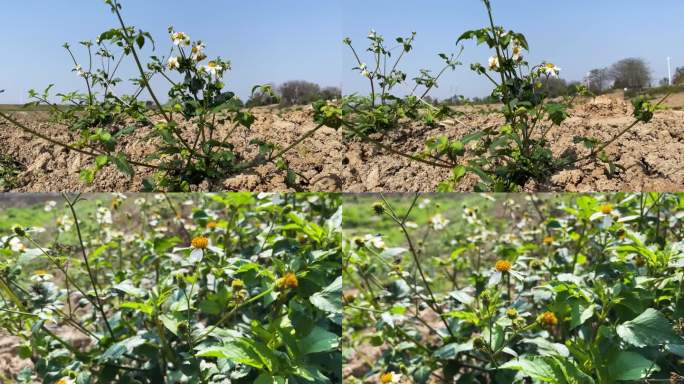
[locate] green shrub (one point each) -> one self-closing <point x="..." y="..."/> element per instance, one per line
<point x="236" y="288"/>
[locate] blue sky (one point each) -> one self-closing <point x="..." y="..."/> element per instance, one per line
<point x="279" y="40"/>
<point x="576" y="35"/>
<point x="266" y="40"/>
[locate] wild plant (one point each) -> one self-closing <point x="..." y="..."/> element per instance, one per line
<point x="190" y="146"/>
<point x="504" y="157"/>
<point x="516" y="289"/>
<point x="225" y="288"/>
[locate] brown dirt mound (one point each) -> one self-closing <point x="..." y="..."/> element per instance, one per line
<point x="50" y="168"/>
<point x="653" y="155"/>
<point x="10" y="363"/>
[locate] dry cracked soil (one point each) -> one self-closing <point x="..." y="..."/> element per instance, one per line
<point x="652" y="154"/>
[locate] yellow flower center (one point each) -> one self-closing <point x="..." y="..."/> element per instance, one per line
<point x="237" y="284"/>
<point x="606" y="209"/>
<point x="386" y="377"/>
<point x="548" y="240"/>
<point x="503" y="266"/>
<point x="212" y="225"/>
<point x="200" y="242"/>
<point x="548" y="318"/>
<point x="289" y="281"/>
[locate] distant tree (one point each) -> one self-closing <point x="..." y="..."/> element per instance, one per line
<point x="262" y="97"/>
<point x="632" y="73"/>
<point x="331" y="93"/>
<point x="554" y="87"/>
<point x="599" y="80"/>
<point x="678" y="76"/>
<point x="431" y="100"/>
<point x="664" y="82"/>
<point x="455" y="100"/>
<point x="298" y="92"/>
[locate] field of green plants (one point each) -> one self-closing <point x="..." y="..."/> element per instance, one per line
<point x="514" y="288"/>
<point x="181" y="288"/>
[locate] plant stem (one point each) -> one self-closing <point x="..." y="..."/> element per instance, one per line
<point x="92" y="277"/>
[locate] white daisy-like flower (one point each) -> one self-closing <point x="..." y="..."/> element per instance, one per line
<point x="79" y="71"/>
<point x="50" y="205"/>
<point x="103" y="216"/>
<point x="551" y="70"/>
<point x="64" y="223"/>
<point x="411" y="224"/>
<point x="159" y="197"/>
<point x="375" y="241"/>
<point x="439" y="222"/>
<point x="364" y="70"/>
<point x="139" y="201"/>
<point x="16" y="245"/>
<point x="500" y="268"/>
<point x="517" y="53"/>
<point x="173" y="63"/>
<point x="41" y="276"/>
<point x="180" y="39"/>
<point x="214" y="68"/>
<point x="390" y="377"/>
<point x="494" y="63"/>
<point x="198" y="52"/>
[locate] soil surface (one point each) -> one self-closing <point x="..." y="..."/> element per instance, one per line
<point x="653" y="154"/>
<point x="10" y="362"/>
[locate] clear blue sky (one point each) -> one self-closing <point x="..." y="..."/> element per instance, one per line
<point x="279" y="40"/>
<point x="266" y="40"/>
<point x="576" y="35"/>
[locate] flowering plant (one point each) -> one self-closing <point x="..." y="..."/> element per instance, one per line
<point x="225" y="288"/>
<point x="504" y="156"/>
<point x="191" y="144"/>
<point x="384" y="107"/>
<point x="567" y="289"/>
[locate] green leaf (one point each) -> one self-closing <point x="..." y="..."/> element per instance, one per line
<point x="547" y="348"/>
<point x="651" y="328"/>
<point x="536" y="368"/>
<point x="264" y="378"/>
<point x="631" y="366"/>
<point x="319" y="340"/>
<point x="122" y="164"/>
<point x="117" y="350"/>
<point x="142" y="307"/>
<point x="549" y="370"/>
<point x="451" y="351"/>
<point x="236" y="352"/>
<point x="128" y="288"/>
<point x="330" y="298"/>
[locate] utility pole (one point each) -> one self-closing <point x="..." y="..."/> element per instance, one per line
<point x="669" y="71"/>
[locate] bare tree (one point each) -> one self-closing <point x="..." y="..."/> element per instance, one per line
<point x="678" y="76"/>
<point x="554" y="87"/>
<point x="331" y="93"/>
<point x="599" y="80"/>
<point x="631" y="73"/>
<point x="298" y="92"/>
